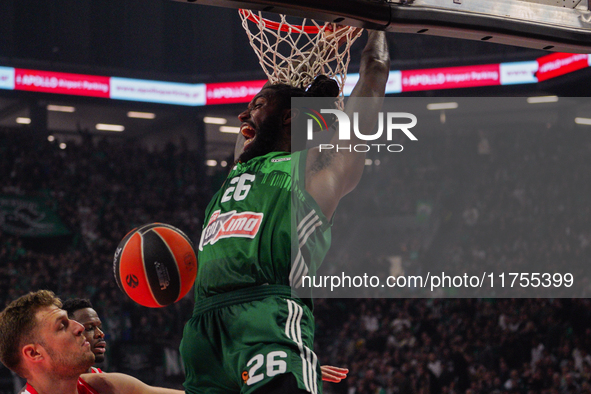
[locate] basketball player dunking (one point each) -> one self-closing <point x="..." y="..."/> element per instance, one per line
<point x="248" y="334"/>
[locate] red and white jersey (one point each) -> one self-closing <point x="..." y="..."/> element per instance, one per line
<point x="83" y="387"/>
<point x="95" y="370"/>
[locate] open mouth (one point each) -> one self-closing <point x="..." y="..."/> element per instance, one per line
<point x="248" y="132"/>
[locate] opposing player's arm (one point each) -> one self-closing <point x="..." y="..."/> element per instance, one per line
<point x="117" y="383"/>
<point x="330" y="175"/>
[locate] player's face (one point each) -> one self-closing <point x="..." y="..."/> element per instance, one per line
<point x="92" y="332"/>
<point x="67" y="352"/>
<point x="262" y="129"/>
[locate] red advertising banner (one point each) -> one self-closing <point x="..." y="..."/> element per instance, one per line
<point x="557" y="64"/>
<point x="232" y="92"/>
<point x="545" y="67"/>
<point x="61" y="83"/>
<point x="451" y="77"/>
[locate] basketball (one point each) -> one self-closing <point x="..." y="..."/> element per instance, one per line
<point x="155" y="265"/>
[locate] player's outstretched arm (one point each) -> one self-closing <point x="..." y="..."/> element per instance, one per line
<point x="333" y="374"/>
<point x="117" y="383"/>
<point x="330" y="175"/>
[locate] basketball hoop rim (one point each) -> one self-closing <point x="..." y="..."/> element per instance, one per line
<point x="284" y="27"/>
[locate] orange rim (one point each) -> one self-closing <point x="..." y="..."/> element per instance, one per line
<point x="284" y="27"/>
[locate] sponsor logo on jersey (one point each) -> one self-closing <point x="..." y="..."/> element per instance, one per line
<point x="230" y="224"/>
<point x="280" y="160"/>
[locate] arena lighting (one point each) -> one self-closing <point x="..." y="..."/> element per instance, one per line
<point x="211" y="163"/>
<point x="542" y="99"/>
<point x="436" y="106"/>
<point x="63" y="145"/>
<point x="213" y="120"/>
<point x="60" y="108"/>
<point x="23" y="120"/>
<point x="583" y="121"/>
<point x="50" y="138"/>
<point x="109" y="127"/>
<point x="141" y="115"/>
<point x="230" y="129"/>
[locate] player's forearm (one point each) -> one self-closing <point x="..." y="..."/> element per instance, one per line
<point x="367" y="97"/>
<point x="365" y="102"/>
<point x="374" y="66"/>
<point x="330" y="175"/>
<point x="162" y="390"/>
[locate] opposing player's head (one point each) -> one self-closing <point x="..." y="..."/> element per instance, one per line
<point x="266" y="123"/>
<point x="36" y="337"/>
<point x="81" y="310"/>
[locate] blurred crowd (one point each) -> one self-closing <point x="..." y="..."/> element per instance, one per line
<point x="526" y="205"/>
<point x="100" y="191"/>
<point x="502" y="201"/>
<point x="486" y="202"/>
<point x="475" y="346"/>
<point x="478" y="201"/>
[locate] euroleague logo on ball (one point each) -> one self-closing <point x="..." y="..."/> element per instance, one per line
<point x="132" y="281"/>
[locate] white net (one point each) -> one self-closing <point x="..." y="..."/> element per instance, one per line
<point x="297" y="54"/>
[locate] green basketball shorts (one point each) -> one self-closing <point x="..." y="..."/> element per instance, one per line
<point x="239" y="341"/>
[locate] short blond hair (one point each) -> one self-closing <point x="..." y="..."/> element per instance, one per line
<point x="18" y="323"/>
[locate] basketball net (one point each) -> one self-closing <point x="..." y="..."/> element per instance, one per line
<point x="297" y="54"/>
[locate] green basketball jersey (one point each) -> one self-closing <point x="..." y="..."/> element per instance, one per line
<point x="247" y="235"/>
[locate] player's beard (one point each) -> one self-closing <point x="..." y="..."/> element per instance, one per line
<point x="68" y="365"/>
<point x="99" y="358"/>
<point x="269" y="138"/>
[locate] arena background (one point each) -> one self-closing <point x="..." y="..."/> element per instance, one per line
<point x="95" y="188"/>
